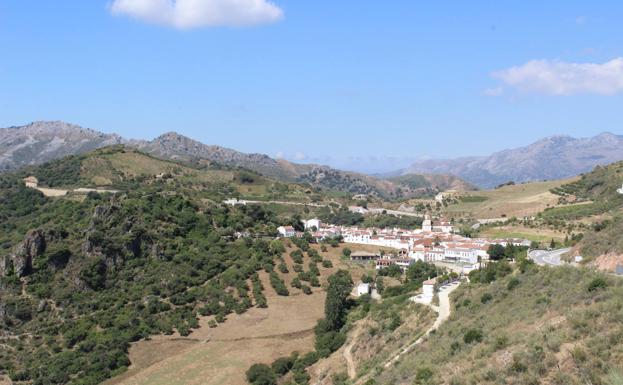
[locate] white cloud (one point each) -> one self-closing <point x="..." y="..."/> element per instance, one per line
<point x="299" y="156"/>
<point x="563" y="78"/>
<point x="185" y="14"/>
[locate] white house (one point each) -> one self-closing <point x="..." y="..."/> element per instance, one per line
<point x="358" y="209"/>
<point x="234" y="202"/>
<point x="311" y="223"/>
<point x="31" y="182"/>
<point x="620" y="191"/>
<point x="461" y="255"/>
<point x="428" y="292"/>
<point x="363" y="288"/>
<point x="286" y="231"/>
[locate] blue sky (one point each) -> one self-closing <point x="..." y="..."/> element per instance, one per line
<point x="365" y="85"/>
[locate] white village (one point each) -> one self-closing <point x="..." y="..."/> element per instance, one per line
<point x="435" y="242"/>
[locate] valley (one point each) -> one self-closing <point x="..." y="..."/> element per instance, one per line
<point x="255" y="299"/>
<point x="274" y="192"/>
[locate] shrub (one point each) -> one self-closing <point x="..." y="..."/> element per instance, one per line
<point x="278" y="284"/>
<point x="394" y="322"/>
<point x="472" y="335"/>
<point x="282" y="365"/>
<point x="598" y="283"/>
<point x="327" y="343"/>
<point x="513" y="283"/>
<point x="486" y="297"/>
<point x="297" y="256"/>
<point x="261" y="374"/>
<point x="423" y="375"/>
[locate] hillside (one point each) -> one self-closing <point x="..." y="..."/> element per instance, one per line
<point x="430" y="184"/>
<point x="598" y="213"/>
<point x="43" y="141"/>
<point x="544" y="326"/>
<point x="556" y="157"/>
<point x="518" y="200"/>
<point x="82" y="276"/>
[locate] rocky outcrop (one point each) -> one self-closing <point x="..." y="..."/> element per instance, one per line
<point x="20" y="261"/>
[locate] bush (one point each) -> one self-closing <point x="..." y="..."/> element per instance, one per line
<point x="598" y="283"/>
<point x="423" y="375"/>
<point x="473" y="335"/>
<point x="513" y="283"/>
<point x="486" y="297"/>
<point x="297" y="256"/>
<point x="278" y="284"/>
<point x="261" y="374"/>
<point x="327" y="343"/>
<point x="296" y="282"/>
<point x="282" y="365"/>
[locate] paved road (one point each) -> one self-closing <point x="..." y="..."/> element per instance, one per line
<point x="551" y="258"/>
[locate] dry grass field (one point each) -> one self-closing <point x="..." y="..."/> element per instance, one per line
<point x="518" y="200"/>
<point x="221" y="355"/>
<point x="538" y="235"/>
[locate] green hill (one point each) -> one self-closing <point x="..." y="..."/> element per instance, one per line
<point x="597" y="210"/>
<point x="84" y="275"/>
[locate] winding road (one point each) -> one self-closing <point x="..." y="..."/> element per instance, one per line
<point x="545" y="257"/>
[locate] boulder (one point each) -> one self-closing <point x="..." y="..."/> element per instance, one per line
<point x="21" y="259"/>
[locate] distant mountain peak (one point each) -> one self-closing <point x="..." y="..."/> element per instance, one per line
<point x="553" y="157"/>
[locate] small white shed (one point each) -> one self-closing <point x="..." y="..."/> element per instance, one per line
<point x="363" y="288"/>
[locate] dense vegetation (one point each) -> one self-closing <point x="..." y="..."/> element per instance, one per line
<point x="84" y="276"/>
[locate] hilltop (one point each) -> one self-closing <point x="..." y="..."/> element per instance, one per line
<point x="555" y="157"/>
<point x="44" y="141"/>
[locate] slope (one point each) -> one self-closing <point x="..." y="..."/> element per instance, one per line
<point x="83" y="276"/>
<point x="554" y="326"/>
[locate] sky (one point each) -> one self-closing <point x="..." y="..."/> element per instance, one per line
<point x="364" y="85"/>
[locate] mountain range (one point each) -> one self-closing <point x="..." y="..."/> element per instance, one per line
<point x="40" y="142"/>
<point x="554" y="157"/>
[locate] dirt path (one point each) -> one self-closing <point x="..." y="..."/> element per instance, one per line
<point x="443" y="312"/>
<point x="348" y="354"/>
